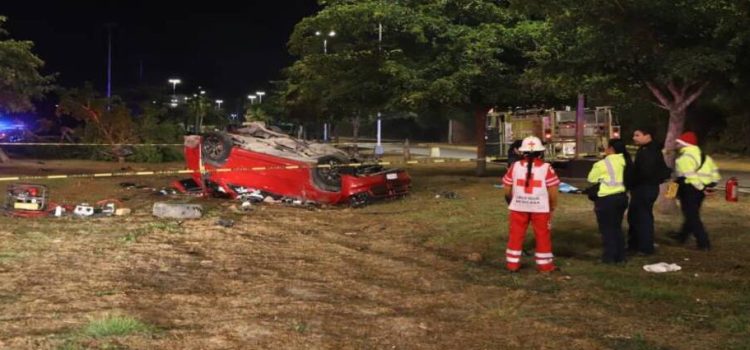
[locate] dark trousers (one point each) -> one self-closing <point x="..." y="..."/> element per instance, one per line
<point x="691" y="200"/>
<point x="609" y="212"/>
<point x="641" y="218"/>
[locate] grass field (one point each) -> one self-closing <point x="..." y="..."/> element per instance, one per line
<point x="391" y="275"/>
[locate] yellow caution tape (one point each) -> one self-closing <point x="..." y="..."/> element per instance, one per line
<point x="90" y="144"/>
<point x="226" y="170"/>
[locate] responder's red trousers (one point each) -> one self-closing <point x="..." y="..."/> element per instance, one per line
<point x="540" y="222"/>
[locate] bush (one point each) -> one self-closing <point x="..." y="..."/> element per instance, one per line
<point x="733" y="138"/>
<point x="154" y="154"/>
<point x="113" y="325"/>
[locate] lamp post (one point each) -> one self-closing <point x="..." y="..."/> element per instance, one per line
<point x="252" y="98"/>
<point x="174" y="82"/>
<point x="330" y="34"/>
<point x="219" y="102"/>
<point x="378" y="145"/>
<point x="260" y="95"/>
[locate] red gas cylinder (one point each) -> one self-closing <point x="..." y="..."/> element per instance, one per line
<point x="731" y="189"/>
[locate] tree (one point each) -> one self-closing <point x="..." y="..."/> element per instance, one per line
<point x="347" y="81"/>
<point x="435" y="57"/>
<point x="107" y="120"/>
<point x="671" y="48"/>
<point x="20" y="79"/>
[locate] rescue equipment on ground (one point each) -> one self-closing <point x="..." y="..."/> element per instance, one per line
<point x="732" y="186"/>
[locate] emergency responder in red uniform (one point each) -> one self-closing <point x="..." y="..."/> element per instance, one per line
<point x="531" y="187"/>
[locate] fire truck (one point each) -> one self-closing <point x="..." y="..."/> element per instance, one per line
<point x="556" y="128"/>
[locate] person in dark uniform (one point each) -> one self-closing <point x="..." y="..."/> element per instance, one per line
<point x="611" y="173"/>
<point x="696" y="174"/>
<point x="649" y="172"/>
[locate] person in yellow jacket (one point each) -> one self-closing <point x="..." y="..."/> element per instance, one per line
<point x="696" y="172"/>
<point x="611" y="199"/>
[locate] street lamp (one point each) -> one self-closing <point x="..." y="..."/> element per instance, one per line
<point x="174" y="83"/>
<point x="331" y="34"/>
<point x="219" y="102"/>
<point x="260" y="96"/>
<point x="252" y="98"/>
<point x="378" y="144"/>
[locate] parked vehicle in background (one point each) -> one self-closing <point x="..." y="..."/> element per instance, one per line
<point x="556" y="128"/>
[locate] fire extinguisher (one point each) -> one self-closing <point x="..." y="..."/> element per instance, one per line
<point x="731" y="189"/>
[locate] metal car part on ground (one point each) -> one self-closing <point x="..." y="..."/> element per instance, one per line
<point x="284" y="166"/>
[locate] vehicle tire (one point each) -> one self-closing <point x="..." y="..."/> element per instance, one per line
<point x="215" y="148"/>
<point x="328" y="179"/>
<point x="359" y="200"/>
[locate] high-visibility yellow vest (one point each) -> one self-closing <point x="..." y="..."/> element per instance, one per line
<point x="610" y="174"/>
<point x="688" y="165"/>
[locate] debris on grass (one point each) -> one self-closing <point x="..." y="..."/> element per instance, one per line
<point x="662" y="267"/>
<point x="177" y="210"/>
<point x="447" y="195"/>
<point x="225" y="223"/>
<point x="474" y="257"/>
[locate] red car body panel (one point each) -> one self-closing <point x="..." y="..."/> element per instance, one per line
<point x="293" y="183"/>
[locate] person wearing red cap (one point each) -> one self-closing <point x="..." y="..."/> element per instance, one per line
<point x="695" y="172"/>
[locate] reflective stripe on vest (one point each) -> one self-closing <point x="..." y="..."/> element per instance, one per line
<point x="611" y="172"/>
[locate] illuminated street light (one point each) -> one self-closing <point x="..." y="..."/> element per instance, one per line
<point x="252" y="98"/>
<point x="219" y="102"/>
<point x="174" y="83"/>
<point x="331" y="34"/>
<point x="260" y="96"/>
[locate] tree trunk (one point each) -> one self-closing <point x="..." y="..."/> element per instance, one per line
<point x="407" y="151"/>
<point x="580" y="122"/>
<point x="675" y="128"/>
<point x="480" y="118"/>
<point x="355" y="128"/>
<point x="4" y="157"/>
<point x="676" y="103"/>
<point x="450" y="131"/>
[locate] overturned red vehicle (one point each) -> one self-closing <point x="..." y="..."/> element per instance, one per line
<point x="258" y="159"/>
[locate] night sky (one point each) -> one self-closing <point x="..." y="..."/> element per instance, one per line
<point x="229" y="48"/>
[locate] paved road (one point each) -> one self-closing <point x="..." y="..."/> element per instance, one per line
<point x="459" y="153"/>
<point x="422" y="150"/>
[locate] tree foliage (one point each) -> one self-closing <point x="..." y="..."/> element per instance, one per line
<point x="20" y="77"/>
<point x="434" y="56"/>
<point x="671" y="48"/>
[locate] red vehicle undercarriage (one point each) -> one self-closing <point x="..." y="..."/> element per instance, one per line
<point x="256" y="160"/>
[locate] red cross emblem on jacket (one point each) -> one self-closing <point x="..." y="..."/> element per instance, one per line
<point x="532" y="184"/>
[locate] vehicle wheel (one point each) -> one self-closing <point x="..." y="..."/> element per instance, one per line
<point x="216" y="147"/>
<point x="359" y="200"/>
<point x="329" y="179"/>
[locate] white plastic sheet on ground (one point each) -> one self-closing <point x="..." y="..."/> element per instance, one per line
<point x="662" y="267"/>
